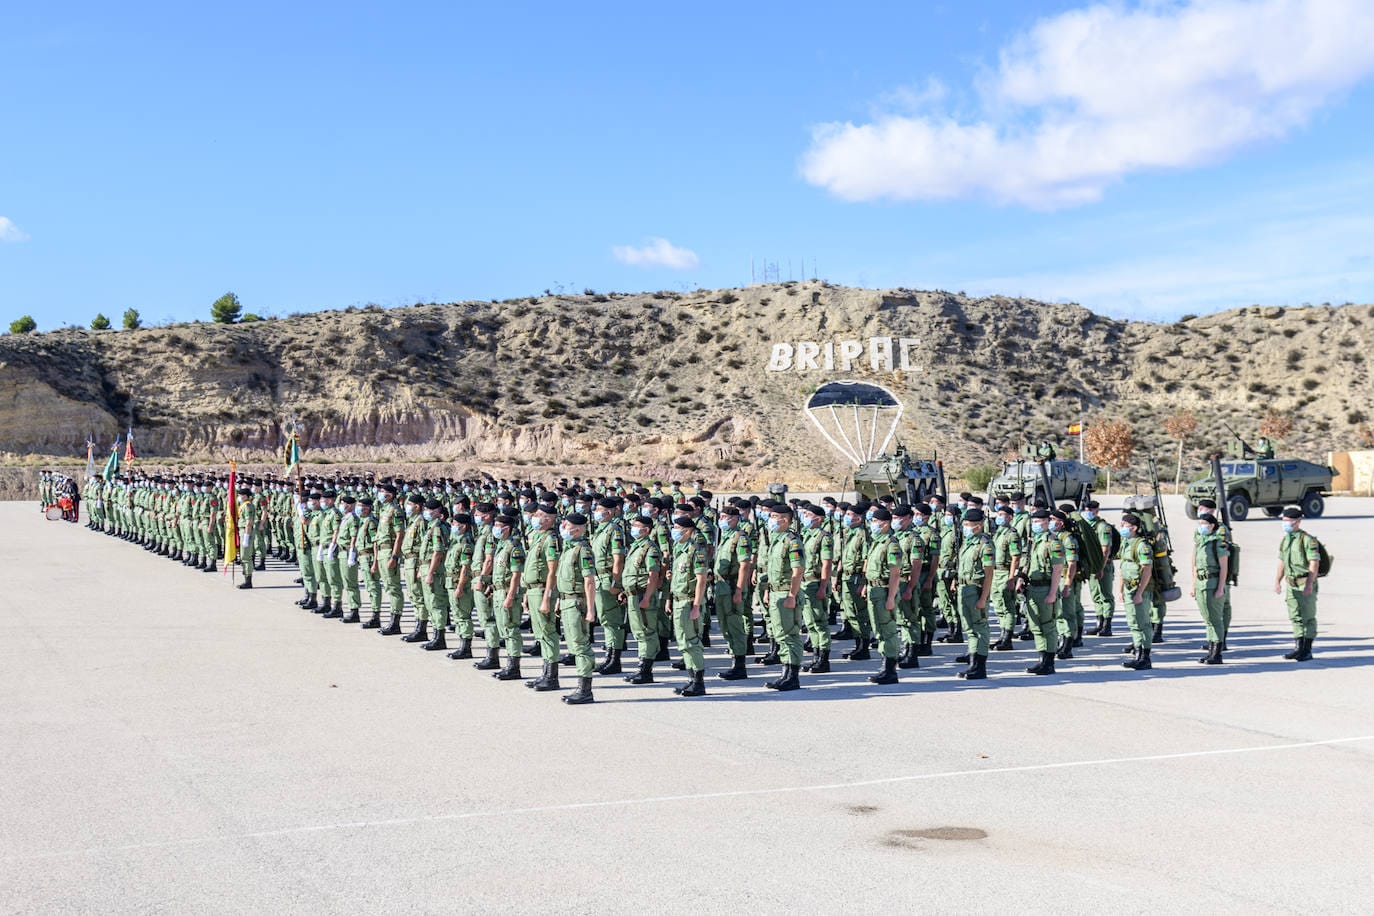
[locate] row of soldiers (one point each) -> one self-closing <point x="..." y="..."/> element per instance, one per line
<point x="658" y="565"/>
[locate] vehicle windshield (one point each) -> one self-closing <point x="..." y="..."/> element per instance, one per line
<point x="1237" y="468"/>
<point x="1027" y="469"/>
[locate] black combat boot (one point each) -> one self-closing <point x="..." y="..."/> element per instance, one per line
<point x="567" y="660"/>
<point x="1039" y="666"/>
<point x="845" y="632"/>
<point x="705" y="639"/>
<point x="438" y="644"/>
<point x="374" y="622"/>
<point x="821" y="663"/>
<point x="512" y="670"/>
<point x="350" y="617"/>
<point x="464" y="649"/>
<point x="326" y="607"/>
<point x="1158" y="635"/>
<point x="645" y="674"/>
<point x="907" y="658"/>
<point x="1296" y="650"/>
<point x="1065" y="648"/>
<point x="695" y="686"/>
<point x="308" y="603"/>
<point x="419" y="634"/>
<point x="924" y="648"/>
<point x="612" y="663"/>
<point x="1004" y="644"/>
<point x="1304" y="650"/>
<point x="491" y="661"/>
<point x="978" y="670"/>
<point x="246" y="583"/>
<point x="547" y="681"/>
<point x="1213" y="656"/>
<point x="1139" y="661"/>
<point x="1105" y="629"/>
<point x="860" y="652"/>
<point x="888" y="674"/>
<point x="1025" y="635"/>
<point x="1078" y="637"/>
<point x="736" y="671"/>
<point x="335" y="610"/>
<point x="790" y="680"/>
<point x="393" y="626"/>
<point x="772" y="658"/>
<point x="582" y="695"/>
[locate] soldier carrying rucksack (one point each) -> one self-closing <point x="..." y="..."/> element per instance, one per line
<point x="1302" y="561"/>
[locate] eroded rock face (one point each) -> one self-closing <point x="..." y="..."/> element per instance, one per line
<point x="672" y="385"/>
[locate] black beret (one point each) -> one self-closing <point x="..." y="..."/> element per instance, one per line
<point x="608" y="502"/>
<point x="882" y="515"/>
<point x="1092" y="504"/>
<point x="1292" y="512"/>
<point x="903" y="511"/>
<point x="506" y="520"/>
<point x="527" y="493"/>
<point x="780" y="508"/>
<point x="1018" y="497"/>
<point x="1060" y="514"/>
<point x="1207" y="517"/>
<point x="462" y="518"/>
<point x="683" y="521"/>
<point x="330" y="494"/>
<point x="314" y="494"/>
<point x="705" y="494"/>
<point x="546" y="508"/>
<point x="1207" y="503"/>
<point x="432" y="504"/>
<point x="366" y="501"/>
<point x="921" y="509"/>
<point x="974" y="515"/>
<point x="348" y="500"/>
<point x="1040" y="513"/>
<point x="485" y="507"/>
<point x="731" y="511"/>
<point x="1066" y="507"/>
<point x="1129" y="519"/>
<point x="416" y="498"/>
<point x="576" y="518"/>
<point x="684" y="507"/>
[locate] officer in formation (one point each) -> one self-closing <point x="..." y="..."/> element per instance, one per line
<point x="489" y="559"/>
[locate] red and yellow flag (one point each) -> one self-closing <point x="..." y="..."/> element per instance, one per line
<point x="1075" y="429"/>
<point x="231" y="519"/>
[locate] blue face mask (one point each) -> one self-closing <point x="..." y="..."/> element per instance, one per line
<point x="1089" y="515"/>
<point x="676" y="534"/>
<point x="1125" y="531"/>
<point x="599" y="516"/>
<point x="968" y="531"/>
<point x="358" y="512"/>
<point x="638" y="533"/>
<point x="1204" y="529"/>
<point x="566" y="501"/>
<point x="850" y="521"/>
<point x="428" y="515"/>
<point x="1038" y="527"/>
<point x="726" y="524"/>
<point x="1000" y="521"/>
<point x="644" y="511"/>
<point x="875" y="527"/>
<point x="1287" y="527"/>
<point x="500" y="533"/>
<point x="410" y="510"/>
<point x="772" y="524"/>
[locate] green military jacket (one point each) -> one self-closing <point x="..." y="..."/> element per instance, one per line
<point x="1046" y="552"/>
<point x="575" y="563"/>
<point x="689" y="561"/>
<point x="883" y="554"/>
<point x="975" y="558"/>
<point x="541" y="555"/>
<point x="641" y="561"/>
<point x="607" y="544"/>
<point x="817" y="548"/>
<point x="507" y="562"/>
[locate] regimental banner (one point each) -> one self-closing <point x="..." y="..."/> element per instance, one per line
<point x="879" y="354"/>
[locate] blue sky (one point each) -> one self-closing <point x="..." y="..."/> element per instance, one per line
<point x="1146" y="160"/>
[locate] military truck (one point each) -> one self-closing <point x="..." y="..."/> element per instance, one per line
<point x="900" y="474"/>
<point x="1265" y="483"/>
<point x="1068" y="476"/>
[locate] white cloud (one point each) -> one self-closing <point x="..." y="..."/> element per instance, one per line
<point x="1094" y="94"/>
<point x="9" y="232"/>
<point x="658" y="253"/>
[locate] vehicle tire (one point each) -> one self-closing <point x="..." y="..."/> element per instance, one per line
<point x="1238" y="506"/>
<point x="1313" y="505"/>
<point x="1190" y="509"/>
<point x="1273" y="511"/>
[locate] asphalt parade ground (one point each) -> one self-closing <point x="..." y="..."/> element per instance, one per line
<point x="169" y="744"/>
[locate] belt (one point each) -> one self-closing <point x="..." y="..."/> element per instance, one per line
<point x="1038" y="581"/>
<point x="1296" y="581"/>
<point x="964" y="584"/>
<point x="1203" y="577"/>
<point x="877" y="583"/>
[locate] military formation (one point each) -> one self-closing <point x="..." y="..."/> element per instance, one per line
<point x="496" y="559"/>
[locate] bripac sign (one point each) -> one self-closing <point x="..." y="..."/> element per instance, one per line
<point x="882" y="354"/>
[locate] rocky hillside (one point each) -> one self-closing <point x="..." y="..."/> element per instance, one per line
<point x="673" y="383"/>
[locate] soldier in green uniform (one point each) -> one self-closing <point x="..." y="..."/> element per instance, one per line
<point x="924" y="550"/>
<point x="850" y="579"/>
<point x="365" y="548"/>
<point x="975" y="571"/>
<point x="575" y="580"/>
<point x="346" y="559"/>
<point x="1007" y="556"/>
<point x="1211" y="559"/>
<point x="483" y="548"/>
<point x="412" y="547"/>
<point x="541" y="597"/>
<point x="1044" y="578"/>
<point x="818" y="559"/>
<point x="608" y="550"/>
<point x="458" y="577"/>
<point x="1137" y="570"/>
<point x="1209" y="507"/>
<point x="688" y="581"/>
<point x="1070" y="612"/>
<point x="642" y="576"/>
<point x="1100" y="587"/>
<point x="432" y="583"/>
<point x="507" y="578"/>
<point x="306" y="529"/>
<point x="250" y="522"/>
<point x="734" y="568"/>
<point x="1299" y="563"/>
<point x="391" y="527"/>
<point x="331" y="583"/>
<point x="908" y="602"/>
<point x="882" y="577"/>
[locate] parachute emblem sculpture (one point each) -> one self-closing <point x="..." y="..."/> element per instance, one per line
<point x="858" y="419"/>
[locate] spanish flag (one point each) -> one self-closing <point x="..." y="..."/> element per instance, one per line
<point x="1075" y="429"/>
<point x="293" y="453"/>
<point x="129" y="454"/>
<point x="231" y="519"/>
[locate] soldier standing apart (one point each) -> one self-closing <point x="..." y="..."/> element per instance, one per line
<point x="1100" y="587"/>
<point x="975" y="588"/>
<point x="1137" y="568"/>
<point x="882" y="578"/>
<point x="250" y="517"/>
<point x="1211" y="560"/>
<point x="642" y="577"/>
<point x="1044" y="577"/>
<point x="818" y="557"/>
<point x="688" y="582"/>
<point x="734" y="565"/>
<point x="575" y="579"/>
<point x="1007" y="557"/>
<point x="1299" y="563"/>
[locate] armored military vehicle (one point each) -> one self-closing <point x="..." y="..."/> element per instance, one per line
<point x="1265" y="483"/>
<point x="900" y="474"/>
<point x="1068" y="477"/>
